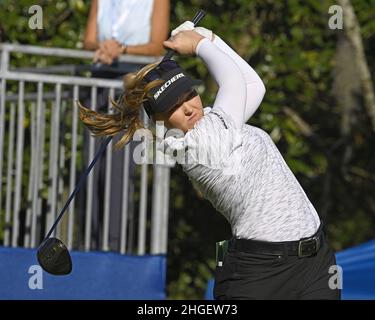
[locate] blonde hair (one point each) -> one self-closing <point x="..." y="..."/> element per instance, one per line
<point x="129" y="105"/>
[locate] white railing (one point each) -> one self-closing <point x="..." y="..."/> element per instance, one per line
<point x="41" y="153"/>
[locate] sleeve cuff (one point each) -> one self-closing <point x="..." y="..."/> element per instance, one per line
<point x="200" y="44"/>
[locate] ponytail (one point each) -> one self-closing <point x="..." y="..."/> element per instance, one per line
<point x="127" y="118"/>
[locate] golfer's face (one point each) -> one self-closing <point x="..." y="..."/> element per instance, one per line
<point x="183" y="116"/>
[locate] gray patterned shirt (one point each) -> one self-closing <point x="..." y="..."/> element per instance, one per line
<point x="251" y="184"/>
<point x="236" y="166"/>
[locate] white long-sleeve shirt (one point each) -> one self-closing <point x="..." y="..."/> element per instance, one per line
<point x="236" y="166"/>
<point x="236" y="76"/>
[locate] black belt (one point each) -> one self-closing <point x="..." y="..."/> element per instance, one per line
<point x="304" y="247"/>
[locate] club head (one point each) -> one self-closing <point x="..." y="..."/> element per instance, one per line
<point x="54" y="257"/>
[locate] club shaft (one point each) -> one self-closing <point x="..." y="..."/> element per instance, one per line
<point x="82" y="179"/>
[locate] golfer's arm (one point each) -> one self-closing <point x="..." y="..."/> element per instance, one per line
<point x="255" y="88"/>
<point x="231" y="96"/>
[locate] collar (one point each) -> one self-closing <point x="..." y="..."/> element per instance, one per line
<point x="169" y="144"/>
<point x="207" y="110"/>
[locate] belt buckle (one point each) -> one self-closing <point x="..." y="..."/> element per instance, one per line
<point x="307" y="242"/>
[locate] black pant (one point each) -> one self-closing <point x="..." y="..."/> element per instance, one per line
<point x="247" y="275"/>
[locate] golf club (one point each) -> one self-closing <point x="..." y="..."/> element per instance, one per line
<point x="53" y="256"/>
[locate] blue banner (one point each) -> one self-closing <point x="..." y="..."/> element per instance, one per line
<point x="95" y="275"/>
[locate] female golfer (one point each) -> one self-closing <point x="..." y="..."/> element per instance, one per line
<point x="278" y="249"/>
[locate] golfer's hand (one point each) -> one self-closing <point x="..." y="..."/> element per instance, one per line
<point x="188" y="25"/>
<point x="184" y="42"/>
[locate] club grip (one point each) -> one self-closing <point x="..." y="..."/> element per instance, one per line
<point x="197" y="18"/>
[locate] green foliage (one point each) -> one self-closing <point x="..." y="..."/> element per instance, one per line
<point x="291" y="47"/>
